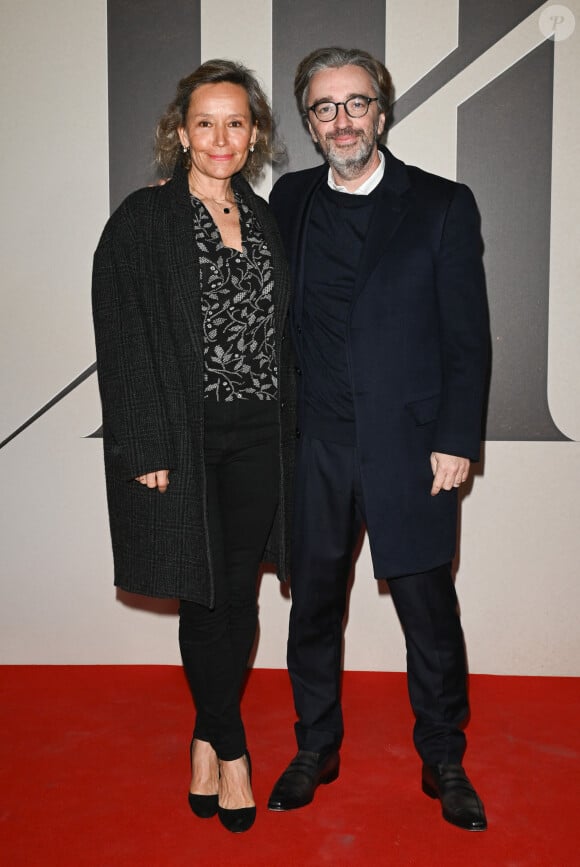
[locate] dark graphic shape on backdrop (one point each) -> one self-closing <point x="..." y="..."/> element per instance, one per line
<point x="480" y="26"/>
<point x="314" y="25"/>
<point x="502" y="131"/>
<point x="151" y="45"/>
<point x="52" y="402"/>
<point x="504" y="152"/>
<point x="517" y="270"/>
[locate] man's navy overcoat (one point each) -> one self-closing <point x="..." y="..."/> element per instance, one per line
<point x="418" y="345"/>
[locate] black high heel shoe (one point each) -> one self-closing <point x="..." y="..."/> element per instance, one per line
<point x="242" y="819"/>
<point x="204" y="806"/>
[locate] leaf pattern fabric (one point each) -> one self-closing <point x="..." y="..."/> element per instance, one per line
<point x="238" y="309"/>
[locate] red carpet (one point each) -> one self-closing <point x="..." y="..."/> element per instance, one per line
<point x="95" y="772"/>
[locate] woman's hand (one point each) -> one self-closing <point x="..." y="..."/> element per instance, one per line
<point x="159" y="479"/>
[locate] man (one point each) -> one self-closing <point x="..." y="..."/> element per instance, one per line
<point x="390" y="327"/>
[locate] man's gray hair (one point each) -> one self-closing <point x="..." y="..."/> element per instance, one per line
<point x="334" y="58"/>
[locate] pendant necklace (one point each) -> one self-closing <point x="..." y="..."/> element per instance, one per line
<point x="226" y="206"/>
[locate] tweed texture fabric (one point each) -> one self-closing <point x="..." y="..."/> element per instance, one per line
<point x="148" y="329"/>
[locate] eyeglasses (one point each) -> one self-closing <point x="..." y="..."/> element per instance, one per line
<point x="355" y="106"/>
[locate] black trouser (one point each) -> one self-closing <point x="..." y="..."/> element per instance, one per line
<point x="242" y="472"/>
<point x="328" y="517"/>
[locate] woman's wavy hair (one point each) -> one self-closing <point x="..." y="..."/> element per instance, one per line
<point x="334" y="58"/>
<point x="167" y="144"/>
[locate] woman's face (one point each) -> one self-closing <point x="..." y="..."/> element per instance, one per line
<point x="218" y="130"/>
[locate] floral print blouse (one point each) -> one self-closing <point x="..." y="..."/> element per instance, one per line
<point x="238" y="310"/>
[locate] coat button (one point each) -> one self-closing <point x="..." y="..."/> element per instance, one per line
<point x="297" y="433"/>
<point x="298" y="371"/>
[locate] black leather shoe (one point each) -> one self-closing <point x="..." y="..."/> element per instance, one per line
<point x="297" y="785"/>
<point x="459" y="800"/>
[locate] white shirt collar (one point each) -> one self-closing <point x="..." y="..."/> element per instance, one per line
<point x="367" y="186"/>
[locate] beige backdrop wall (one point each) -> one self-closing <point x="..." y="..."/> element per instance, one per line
<point x="518" y="573"/>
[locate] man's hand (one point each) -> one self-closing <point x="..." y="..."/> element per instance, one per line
<point x="449" y="471"/>
<point x="158" y="479"/>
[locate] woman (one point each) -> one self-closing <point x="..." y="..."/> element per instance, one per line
<point x="190" y="296"/>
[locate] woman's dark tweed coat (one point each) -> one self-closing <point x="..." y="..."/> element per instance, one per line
<point x="148" y="328"/>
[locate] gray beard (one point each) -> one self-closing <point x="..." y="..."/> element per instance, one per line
<point x="350" y="166"/>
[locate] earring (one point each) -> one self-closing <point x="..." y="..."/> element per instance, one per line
<point x="251" y="149"/>
<point x="185" y="149"/>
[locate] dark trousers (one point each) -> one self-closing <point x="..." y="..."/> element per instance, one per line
<point x="329" y="514"/>
<point x="242" y="473"/>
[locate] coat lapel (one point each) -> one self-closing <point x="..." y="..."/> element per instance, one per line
<point x="183" y="256"/>
<point x="298" y="242"/>
<point x="390" y="210"/>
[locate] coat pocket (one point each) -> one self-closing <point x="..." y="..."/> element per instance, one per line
<point x="425" y="410"/>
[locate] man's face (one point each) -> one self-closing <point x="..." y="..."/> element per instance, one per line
<point x="348" y="143"/>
